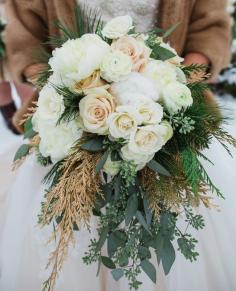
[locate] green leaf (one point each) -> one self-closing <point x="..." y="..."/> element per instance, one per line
<point x="117" y="185"/>
<point x="156" y="167"/>
<point x="99" y="267"/>
<point x="102" y="238"/>
<point x="149" y="269"/>
<point x="142" y="221"/>
<point x="132" y="207"/>
<point x="116" y="239"/>
<point x="117" y="274"/>
<point x="171" y="30"/>
<point x="168" y="256"/>
<point x="158" y="245"/>
<point x="123" y="260"/>
<point x="93" y="145"/>
<point x="161" y="53"/>
<point x="30" y="133"/>
<point x="22" y="152"/>
<point x="147" y="210"/>
<point x="28" y="129"/>
<point x="144" y="253"/>
<point x="28" y="125"/>
<point x="108" y="262"/>
<point x="102" y="162"/>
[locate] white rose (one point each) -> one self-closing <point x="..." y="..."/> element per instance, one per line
<point x="50" y="104"/>
<point x="181" y="77"/>
<point x="116" y="66"/>
<point x="150" y="111"/>
<point x="161" y="73"/>
<point x="177" y="60"/>
<point x="123" y="122"/>
<point x="112" y="167"/>
<point x="95" y="109"/>
<point x="78" y="58"/>
<point x="139" y="159"/>
<point x="124" y="91"/>
<point x="177" y="96"/>
<point x="118" y="27"/>
<point x="57" y="140"/>
<point x="167" y="130"/>
<point x="147" y="140"/>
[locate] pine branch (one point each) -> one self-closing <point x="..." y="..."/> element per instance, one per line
<point x="53" y="175"/>
<point x="225" y="138"/>
<point x="208" y="181"/>
<point x="71" y="102"/>
<point x="194" y="68"/>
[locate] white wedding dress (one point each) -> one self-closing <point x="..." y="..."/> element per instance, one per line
<point x="23" y="249"/>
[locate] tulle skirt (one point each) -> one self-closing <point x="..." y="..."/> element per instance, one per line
<point x="24" y="250"/>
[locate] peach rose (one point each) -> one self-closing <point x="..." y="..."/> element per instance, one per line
<point x="134" y="48"/>
<point x="91" y="82"/>
<point x="95" y="109"/>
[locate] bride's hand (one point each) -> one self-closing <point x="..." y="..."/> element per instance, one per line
<point x="196" y="58"/>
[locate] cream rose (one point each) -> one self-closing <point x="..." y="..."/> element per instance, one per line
<point x="135" y="49"/>
<point x="118" y="27"/>
<point x="150" y="112"/>
<point x="139" y="159"/>
<point x="116" y="66"/>
<point x="93" y="81"/>
<point x="176" y="97"/>
<point x="123" y="122"/>
<point x="161" y="73"/>
<point x="78" y="58"/>
<point x="95" y="109"/>
<point x="50" y="104"/>
<point x="147" y="140"/>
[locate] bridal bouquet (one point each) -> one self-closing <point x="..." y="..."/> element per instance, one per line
<point x="123" y="124"/>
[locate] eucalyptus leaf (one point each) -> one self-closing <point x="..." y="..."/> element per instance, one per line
<point x="132" y="207"/>
<point x="28" y="125"/>
<point x="93" y="145"/>
<point x="149" y="269"/>
<point x="28" y="129"/>
<point x="99" y="267"/>
<point x="168" y="256"/>
<point x="102" y="162"/>
<point x="102" y="238"/>
<point x="147" y="210"/>
<point x="22" y="152"/>
<point x="144" y="253"/>
<point x="117" y="274"/>
<point x="108" y="262"/>
<point x="30" y="133"/>
<point x="142" y="221"/>
<point x="116" y="239"/>
<point x="117" y="185"/>
<point x="158" y="168"/>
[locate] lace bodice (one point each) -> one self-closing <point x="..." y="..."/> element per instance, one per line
<point x="143" y="12"/>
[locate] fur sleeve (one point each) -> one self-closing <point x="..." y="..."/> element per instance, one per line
<point x="26" y="30"/>
<point x="210" y="33"/>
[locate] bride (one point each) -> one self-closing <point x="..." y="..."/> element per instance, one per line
<point x="23" y="248"/>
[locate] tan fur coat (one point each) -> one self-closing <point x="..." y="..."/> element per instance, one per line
<point x="204" y="27"/>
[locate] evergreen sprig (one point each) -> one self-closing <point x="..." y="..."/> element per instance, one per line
<point x="71" y="103"/>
